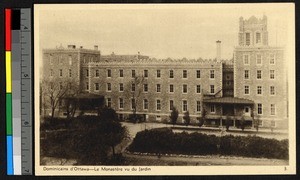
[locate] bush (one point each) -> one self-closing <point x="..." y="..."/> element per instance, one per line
<point x="165" y="141"/>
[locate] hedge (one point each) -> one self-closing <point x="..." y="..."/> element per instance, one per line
<point x="165" y="141"/>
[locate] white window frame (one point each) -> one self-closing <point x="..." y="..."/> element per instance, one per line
<point x="171" y="107"/>
<point x="121" y="87"/>
<point x="244" y="59"/>
<point x="274" y="91"/>
<point x="158" y="104"/>
<point x="184" y="85"/>
<point x="146" y="73"/>
<point x="257" y="77"/>
<point x="198" y="105"/>
<point x="133" y="73"/>
<point x="248" y="74"/>
<point x="158" y="88"/>
<point x="158" y="73"/>
<point x="260" y="108"/>
<point x="272" y="74"/>
<point x="184" y="74"/>
<point x="247" y="87"/>
<point x="108" y="87"/>
<point x="96" y="87"/>
<point x="171" y="74"/>
<point x="108" y="102"/>
<point x="171" y="85"/>
<point x="199" y="74"/>
<point x="145" y="102"/>
<point x="212" y="87"/>
<point x="270" y="55"/>
<point x="121" y="103"/>
<point x="121" y="73"/>
<point x="257" y="63"/>
<point x="212" y="74"/>
<point x="108" y="73"/>
<point x="259" y="88"/>
<point x="273" y="110"/>
<point x="184" y="105"/>
<point x="198" y="92"/>
<point x="145" y="90"/>
<point x="212" y="107"/>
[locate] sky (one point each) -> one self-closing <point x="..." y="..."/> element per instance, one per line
<point x="159" y="31"/>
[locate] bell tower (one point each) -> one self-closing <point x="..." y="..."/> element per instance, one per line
<point x="253" y="31"/>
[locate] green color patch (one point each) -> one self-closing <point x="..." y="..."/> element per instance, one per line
<point x="8" y="114"/>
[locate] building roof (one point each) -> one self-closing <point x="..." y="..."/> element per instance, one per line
<point x="228" y="100"/>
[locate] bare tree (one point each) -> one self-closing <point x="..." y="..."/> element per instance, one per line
<point x="55" y="90"/>
<point x="135" y="90"/>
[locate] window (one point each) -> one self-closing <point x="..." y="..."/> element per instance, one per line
<point x="145" y="73"/>
<point x="158" y="87"/>
<point x="70" y="73"/>
<point x="212" y="109"/>
<point x="108" y="73"/>
<point x="247" y="110"/>
<point x="87" y="73"/>
<point x="70" y="60"/>
<point x="108" y="102"/>
<point x="198" y="74"/>
<point x="184" y="88"/>
<point x="272" y="59"/>
<point x="87" y="85"/>
<point x="171" y="88"/>
<point x="259" y="90"/>
<point x="97" y="73"/>
<point x="247" y="39"/>
<point x="184" y="74"/>
<point x="258" y="59"/>
<point x="246" y="74"/>
<point x="133" y="73"/>
<point x="273" y="109"/>
<point x="60" y="72"/>
<point x="259" y="109"/>
<point x="51" y="72"/>
<point x="258" y="74"/>
<point x="121" y="103"/>
<point x="212" y="74"/>
<point x="198" y="106"/>
<point x="198" y="89"/>
<point x="246" y="59"/>
<point x="60" y="86"/>
<point x="145" y="87"/>
<point x="171" y="105"/>
<point x="212" y="89"/>
<point x="121" y="87"/>
<point x="184" y="105"/>
<point x="158" y="73"/>
<point x="96" y="86"/>
<point x="246" y="89"/>
<point x="145" y="104"/>
<point x="273" y="123"/>
<point x="121" y="73"/>
<point x="171" y="74"/>
<point x="272" y="74"/>
<point x="108" y="86"/>
<point x="272" y="90"/>
<point x="158" y="105"/>
<point x="133" y="87"/>
<point x="258" y="38"/>
<point x="132" y="103"/>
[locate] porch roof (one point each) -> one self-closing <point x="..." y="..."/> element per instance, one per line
<point x="228" y="100"/>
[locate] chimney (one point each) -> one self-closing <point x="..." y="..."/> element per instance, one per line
<point x="71" y="46"/>
<point x="218" y="50"/>
<point x="96" y="47"/>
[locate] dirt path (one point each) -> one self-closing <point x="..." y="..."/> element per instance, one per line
<point x="141" y="160"/>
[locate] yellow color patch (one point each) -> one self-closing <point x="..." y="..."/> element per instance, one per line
<point x="8" y="71"/>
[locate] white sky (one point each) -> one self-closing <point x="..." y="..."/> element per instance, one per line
<point x="160" y="31"/>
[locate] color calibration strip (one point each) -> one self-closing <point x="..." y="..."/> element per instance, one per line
<point x="18" y="91"/>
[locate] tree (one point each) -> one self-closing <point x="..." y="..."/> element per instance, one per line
<point x="54" y="90"/>
<point x="134" y="90"/>
<point x="187" y="118"/>
<point x="174" y="116"/>
<point x="202" y="118"/>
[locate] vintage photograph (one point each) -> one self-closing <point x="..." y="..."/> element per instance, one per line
<point x="164" y="89"/>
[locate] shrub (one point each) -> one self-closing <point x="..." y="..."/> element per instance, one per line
<point x="163" y="140"/>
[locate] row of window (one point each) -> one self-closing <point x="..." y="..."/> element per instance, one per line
<point x="146" y="88"/>
<point x="60" y="60"/>
<point x="259" y="74"/>
<point x="259" y="59"/>
<point x="259" y="90"/>
<point x="158" y="104"/>
<point x="146" y="73"/>
<point x="212" y="108"/>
